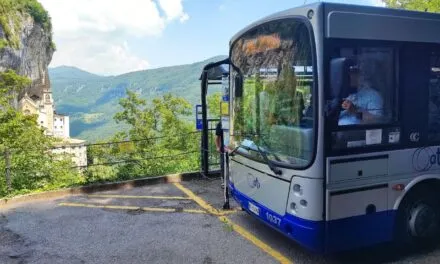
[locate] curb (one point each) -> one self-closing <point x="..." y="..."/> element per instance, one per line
<point x="100" y="187"/>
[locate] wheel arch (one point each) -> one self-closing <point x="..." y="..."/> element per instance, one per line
<point x="424" y="179"/>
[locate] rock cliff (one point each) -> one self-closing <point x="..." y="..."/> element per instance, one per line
<point x="26" y="42"/>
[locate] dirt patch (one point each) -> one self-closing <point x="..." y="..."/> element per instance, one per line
<point x="135" y="211"/>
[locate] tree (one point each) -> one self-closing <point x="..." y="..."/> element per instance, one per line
<point x="32" y="164"/>
<point x="156" y="129"/>
<point x="214" y="101"/>
<point x="419" y="5"/>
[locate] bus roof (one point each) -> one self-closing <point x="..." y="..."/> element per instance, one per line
<point x="364" y="21"/>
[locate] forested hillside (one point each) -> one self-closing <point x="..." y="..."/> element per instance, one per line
<point x="92" y="100"/>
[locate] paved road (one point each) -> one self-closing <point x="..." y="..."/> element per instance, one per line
<point x="165" y="223"/>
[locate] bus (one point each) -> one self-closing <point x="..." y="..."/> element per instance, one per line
<point x="334" y="133"/>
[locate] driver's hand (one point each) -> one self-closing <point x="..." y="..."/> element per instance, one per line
<point x="349" y="106"/>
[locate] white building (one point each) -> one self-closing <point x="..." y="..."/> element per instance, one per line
<point x="74" y="147"/>
<point x="61" y="126"/>
<point x="54" y="124"/>
<point x="43" y="107"/>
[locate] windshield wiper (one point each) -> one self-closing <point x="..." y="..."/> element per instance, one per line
<point x="263" y="154"/>
<point x="232" y="152"/>
<point x="266" y="146"/>
<point x="269" y="163"/>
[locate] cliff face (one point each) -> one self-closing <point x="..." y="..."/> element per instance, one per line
<point x="31" y="51"/>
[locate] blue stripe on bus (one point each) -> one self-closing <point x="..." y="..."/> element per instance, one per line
<point x="327" y="237"/>
<point x="360" y="231"/>
<point x="307" y="233"/>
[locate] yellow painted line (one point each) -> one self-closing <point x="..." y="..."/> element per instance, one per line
<point x="240" y="230"/>
<point x="197" y="199"/>
<point x="123" y="207"/>
<point x="138" y="197"/>
<point x="227" y="212"/>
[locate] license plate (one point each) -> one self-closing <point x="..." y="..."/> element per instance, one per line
<point x="254" y="209"/>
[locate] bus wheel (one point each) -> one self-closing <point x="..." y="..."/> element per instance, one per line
<point x="418" y="218"/>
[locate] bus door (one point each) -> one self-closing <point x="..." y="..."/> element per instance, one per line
<point x="214" y="75"/>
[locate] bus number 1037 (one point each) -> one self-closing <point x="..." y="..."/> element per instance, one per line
<point x="273" y="219"/>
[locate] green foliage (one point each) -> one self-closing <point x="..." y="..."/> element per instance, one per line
<point x="3" y="43"/>
<point x="37" y="11"/>
<point x="419" y="5"/>
<point x="156" y="129"/>
<point x="214" y="101"/>
<point x="53" y="46"/>
<point x="32" y="165"/>
<point x="268" y="105"/>
<point x="10" y="11"/>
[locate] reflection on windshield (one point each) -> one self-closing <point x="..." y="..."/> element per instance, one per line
<point x="275" y="111"/>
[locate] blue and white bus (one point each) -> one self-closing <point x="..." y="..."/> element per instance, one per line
<point x="335" y="125"/>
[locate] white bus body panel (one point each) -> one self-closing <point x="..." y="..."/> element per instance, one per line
<point x="260" y="187"/>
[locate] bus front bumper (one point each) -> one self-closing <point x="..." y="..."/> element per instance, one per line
<point x="310" y="234"/>
<point x="325" y="237"/>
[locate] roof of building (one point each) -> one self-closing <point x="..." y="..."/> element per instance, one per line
<point x="70" y="141"/>
<point x="28" y="99"/>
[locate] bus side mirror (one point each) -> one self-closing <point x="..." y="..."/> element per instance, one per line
<point x="238" y="85"/>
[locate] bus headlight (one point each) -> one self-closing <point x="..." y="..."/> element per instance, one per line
<point x="293" y="208"/>
<point x="297" y="190"/>
<point x="303" y="203"/>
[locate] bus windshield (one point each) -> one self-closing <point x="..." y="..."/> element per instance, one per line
<point x="275" y="109"/>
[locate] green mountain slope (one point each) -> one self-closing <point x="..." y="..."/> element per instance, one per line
<point x="91" y="100"/>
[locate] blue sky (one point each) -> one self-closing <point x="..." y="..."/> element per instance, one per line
<point x="131" y="35"/>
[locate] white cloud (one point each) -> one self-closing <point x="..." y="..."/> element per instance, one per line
<point x="92" y="34"/>
<point x="377" y="3"/>
<point x="99" y="56"/>
<point x="173" y="10"/>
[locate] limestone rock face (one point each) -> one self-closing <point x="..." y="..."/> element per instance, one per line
<point x="33" y="55"/>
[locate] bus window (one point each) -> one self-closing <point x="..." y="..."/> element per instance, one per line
<point x="275" y="109"/>
<point x="434" y="97"/>
<point x="368" y="98"/>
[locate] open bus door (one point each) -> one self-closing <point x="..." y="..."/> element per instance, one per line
<point x="216" y="73"/>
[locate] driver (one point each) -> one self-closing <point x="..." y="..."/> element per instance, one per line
<point x="364" y="106"/>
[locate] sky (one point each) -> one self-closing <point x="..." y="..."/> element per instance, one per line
<point x="111" y="37"/>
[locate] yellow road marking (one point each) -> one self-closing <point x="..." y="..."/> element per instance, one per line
<point x="138" y="197"/>
<point x="123" y="207"/>
<point x="240" y="230"/>
<point x="232" y="211"/>
<point x="197" y="199"/>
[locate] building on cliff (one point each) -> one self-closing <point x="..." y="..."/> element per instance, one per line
<point x="27" y="47"/>
<point x="54" y="124"/>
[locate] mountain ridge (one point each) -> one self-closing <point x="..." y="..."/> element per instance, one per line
<point x="92" y="100"/>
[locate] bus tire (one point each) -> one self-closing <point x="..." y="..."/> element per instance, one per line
<point x="418" y="218"/>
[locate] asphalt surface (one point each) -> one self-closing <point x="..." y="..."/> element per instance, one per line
<point x="157" y="224"/>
